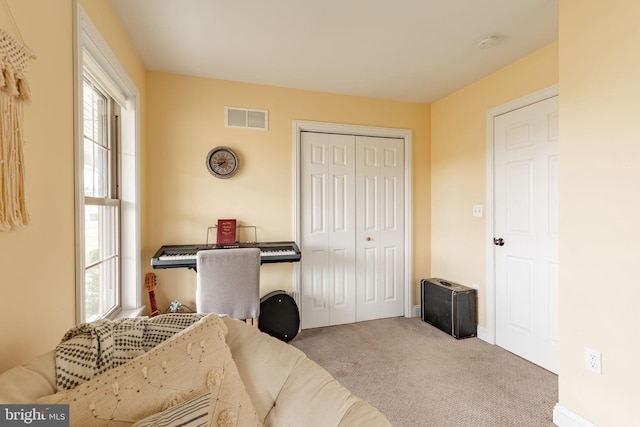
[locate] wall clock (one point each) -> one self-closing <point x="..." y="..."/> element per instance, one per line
<point x="222" y="162"/>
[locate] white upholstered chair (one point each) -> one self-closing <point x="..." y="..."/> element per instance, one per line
<point x="228" y="282"/>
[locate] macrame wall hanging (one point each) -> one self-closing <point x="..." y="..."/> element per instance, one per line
<point x="14" y="91"/>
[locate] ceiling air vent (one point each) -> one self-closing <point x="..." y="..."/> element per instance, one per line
<point x="246" y="118"/>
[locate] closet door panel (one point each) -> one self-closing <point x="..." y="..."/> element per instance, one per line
<point x="379" y="227"/>
<point x="328" y="224"/>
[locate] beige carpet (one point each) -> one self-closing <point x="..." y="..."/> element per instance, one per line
<point x="419" y="376"/>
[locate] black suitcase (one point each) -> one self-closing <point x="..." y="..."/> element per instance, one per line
<point x="450" y="307"/>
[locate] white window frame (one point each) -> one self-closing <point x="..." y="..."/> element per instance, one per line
<point x="93" y="54"/>
<point x="105" y="265"/>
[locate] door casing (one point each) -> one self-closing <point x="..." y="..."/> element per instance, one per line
<point x="300" y="126"/>
<point x="488" y="333"/>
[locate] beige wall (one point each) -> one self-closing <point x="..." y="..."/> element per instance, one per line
<point x="458" y="166"/>
<point x="37" y="273"/>
<point x="600" y="208"/>
<point x="186" y="120"/>
<point x="600" y="169"/>
<point x="180" y="199"/>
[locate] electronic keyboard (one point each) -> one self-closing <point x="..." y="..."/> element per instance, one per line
<point x="184" y="256"/>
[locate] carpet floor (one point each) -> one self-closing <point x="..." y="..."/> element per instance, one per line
<point x="418" y="376"/>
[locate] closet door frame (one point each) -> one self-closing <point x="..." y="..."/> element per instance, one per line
<point x="300" y="126"/>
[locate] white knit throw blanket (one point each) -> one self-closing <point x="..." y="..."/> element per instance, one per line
<point x="90" y="349"/>
<point x="14" y="90"/>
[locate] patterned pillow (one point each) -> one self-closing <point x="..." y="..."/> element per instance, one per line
<point x="90" y="349"/>
<point x="193" y="365"/>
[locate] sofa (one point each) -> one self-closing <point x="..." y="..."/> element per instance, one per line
<point x="234" y="374"/>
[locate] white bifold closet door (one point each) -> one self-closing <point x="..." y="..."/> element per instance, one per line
<point x="352" y="222"/>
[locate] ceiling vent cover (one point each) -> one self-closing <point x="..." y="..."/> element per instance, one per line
<point x="246" y="118"/>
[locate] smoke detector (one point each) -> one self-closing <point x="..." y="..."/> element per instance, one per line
<point x="486" y="42"/>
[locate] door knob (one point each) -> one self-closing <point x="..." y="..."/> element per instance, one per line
<point x="368" y="239"/>
<point x="498" y="242"/>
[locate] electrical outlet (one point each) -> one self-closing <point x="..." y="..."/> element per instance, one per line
<point x="593" y="360"/>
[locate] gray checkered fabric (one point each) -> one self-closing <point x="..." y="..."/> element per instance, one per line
<point x="92" y="348"/>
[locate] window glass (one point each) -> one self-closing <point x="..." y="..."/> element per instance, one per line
<point x="96" y="143"/>
<point x="101" y="207"/>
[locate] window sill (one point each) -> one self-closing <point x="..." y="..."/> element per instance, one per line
<point x="129" y="313"/>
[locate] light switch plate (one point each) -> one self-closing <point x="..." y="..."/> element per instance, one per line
<point x="477" y="210"/>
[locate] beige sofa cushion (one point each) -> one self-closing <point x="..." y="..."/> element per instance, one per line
<point x="193" y="363"/>
<point x="289" y="389"/>
<point x="26" y="383"/>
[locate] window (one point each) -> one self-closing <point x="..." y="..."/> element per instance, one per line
<point x="107" y="106"/>
<point x="101" y="203"/>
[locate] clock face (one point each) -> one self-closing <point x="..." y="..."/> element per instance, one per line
<point x="222" y="162"/>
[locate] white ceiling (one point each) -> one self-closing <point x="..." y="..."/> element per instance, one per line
<point x="404" y="50"/>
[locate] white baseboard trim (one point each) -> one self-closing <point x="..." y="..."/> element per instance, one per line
<point x="416" y="311"/>
<point x="484" y="335"/>
<point x="562" y="417"/>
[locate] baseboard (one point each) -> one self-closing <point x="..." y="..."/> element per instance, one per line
<point x="562" y="417"/>
<point x="484" y="335"/>
<point x="416" y="311"/>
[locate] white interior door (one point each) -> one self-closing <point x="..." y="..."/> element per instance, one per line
<point x="379" y="227"/>
<point x="328" y="229"/>
<point x="526" y="232"/>
<point x="352" y="228"/>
